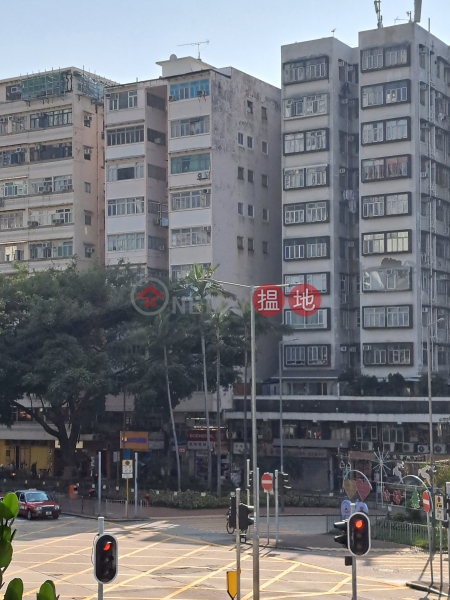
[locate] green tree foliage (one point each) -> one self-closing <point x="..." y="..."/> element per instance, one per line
<point x="439" y="386"/>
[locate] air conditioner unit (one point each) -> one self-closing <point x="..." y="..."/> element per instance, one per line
<point x="423" y="86"/>
<point x="344" y="101"/>
<point x="351" y="244"/>
<point x="201" y="93"/>
<point x="90" y="250"/>
<point x="440" y="448"/>
<point x="172" y="98"/>
<point x="32" y="223"/>
<point x="341" y="63"/>
<point x="15" y="89"/>
<point x="107" y="96"/>
<point x="203" y="175"/>
<point x="87" y="150"/>
<point x="367" y="347"/>
<point x="423" y="449"/>
<point x="18" y="149"/>
<point x="438" y="95"/>
<point x="2" y="119"/>
<point x="441" y="116"/>
<point x="157" y="140"/>
<point x="388" y="447"/>
<point x="343" y="348"/>
<point x="162" y="247"/>
<point x="350" y="67"/>
<point x="352" y="349"/>
<point x="423" y="175"/>
<point x="366" y="446"/>
<point x="46" y="245"/>
<point x="408" y="447"/>
<point x="11" y="118"/>
<point x="342" y="170"/>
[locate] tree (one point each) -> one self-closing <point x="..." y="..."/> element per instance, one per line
<point x="56" y="332"/>
<point x="439" y="386"/>
<point x="201" y="285"/>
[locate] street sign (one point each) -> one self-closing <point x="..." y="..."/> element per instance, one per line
<point x="426" y="502"/>
<point x="232" y="583"/>
<point x="267" y="482"/>
<point x="440" y="508"/>
<point x="362" y="507"/>
<point x="127" y="469"/>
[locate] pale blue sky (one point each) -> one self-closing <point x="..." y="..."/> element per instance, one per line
<point x="123" y="39"/>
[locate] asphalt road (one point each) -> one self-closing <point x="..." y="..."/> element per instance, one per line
<point x="186" y="558"/>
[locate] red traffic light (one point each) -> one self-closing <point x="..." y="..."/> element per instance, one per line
<point x="107" y="546"/>
<point x="359" y="524"/>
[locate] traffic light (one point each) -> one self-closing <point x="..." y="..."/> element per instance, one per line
<point x="283" y="479"/>
<point x="343" y="537"/>
<point x="359" y="534"/>
<point x="232" y="513"/>
<point x="245" y="516"/>
<point x="105" y="558"/>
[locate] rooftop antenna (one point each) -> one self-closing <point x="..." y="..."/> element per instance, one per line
<point x="196" y="44"/>
<point x="333" y="30"/>
<point x="377" y="4"/>
<point x="417" y="10"/>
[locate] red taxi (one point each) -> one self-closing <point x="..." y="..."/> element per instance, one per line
<point x="35" y="503"/>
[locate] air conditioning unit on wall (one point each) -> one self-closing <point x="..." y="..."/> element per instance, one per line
<point x="423" y="449"/>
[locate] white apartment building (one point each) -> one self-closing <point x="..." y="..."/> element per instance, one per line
<point x="405" y="200"/>
<point x="51" y="169"/>
<point x="319" y="125"/>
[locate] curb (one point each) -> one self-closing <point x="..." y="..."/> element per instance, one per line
<point x="423" y="587"/>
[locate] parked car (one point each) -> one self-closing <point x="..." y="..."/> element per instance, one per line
<point x="36" y="503"/>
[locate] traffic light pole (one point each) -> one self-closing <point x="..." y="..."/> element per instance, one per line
<point x="101" y="530"/>
<point x="254" y="452"/>
<point x="99" y="483"/>
<point x="354" y="591"/>
<point x="276" y="508"/>
<point x="238" y="546"/>
<point x="135" y="483"/>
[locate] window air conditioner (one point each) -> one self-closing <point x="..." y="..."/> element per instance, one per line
<point x="157" y="140"/>
<point x="90" y="250"/>
<point x="87" y="150"/>
<point x="366" y="446"/>
<point x="341" y="63"/>
<point x="162" y="247"/>
<point x="172" y="98"/>
<point x="423" y="175"/>
<point x="352" y="348"/>
<point x="203" y="175"/>
<point x="342" y="170"/>
<point x="438" y="95"/>
<point x="18" y="150"/>
<point x="367" y="347"/>
<point x="344" y="101"/>
<point x="201" y="93"/>
<point x="343" y="348"/>
<point x="408" y="447"/>
<point x="423" y="86"/>
<point x="389" y="447"/>
<point x="440" y="448"/>
<point x="351" y="244"/>
<point x="32" y="223"/>
<point x="423" y="449"/>
<point x="107" y="96"/>
<point x="2" y="119"/>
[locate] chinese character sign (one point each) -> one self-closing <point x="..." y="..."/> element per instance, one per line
<point x="305" y="300"/>
<point x="268" y="300"/>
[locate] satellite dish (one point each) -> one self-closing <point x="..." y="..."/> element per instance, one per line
<point x="173" y="57"/>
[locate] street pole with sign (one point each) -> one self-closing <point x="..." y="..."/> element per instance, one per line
<point x="267" y="485"/>
<point x="428" y="507"/>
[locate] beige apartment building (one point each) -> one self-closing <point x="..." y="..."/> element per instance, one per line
<point x="51" y="169"/>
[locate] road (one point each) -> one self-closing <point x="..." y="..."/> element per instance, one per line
<point x="186" y="558"/>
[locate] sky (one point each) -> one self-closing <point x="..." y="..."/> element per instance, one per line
<point x="122" y="40"/>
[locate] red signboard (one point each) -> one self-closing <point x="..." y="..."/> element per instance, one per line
<point x="426" y="502"/>
<point x="268" y="300"/>
<point x="305" y="300"/>
<point x="267" y="482"/>
<point x="199" y="435"/>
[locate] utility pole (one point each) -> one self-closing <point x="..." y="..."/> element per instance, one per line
<point x="254" y="452"/>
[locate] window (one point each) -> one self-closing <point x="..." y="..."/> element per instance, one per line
<point x="305" y="177"/>
<point x="87" y="218"/>
<point x="264" y="181"/>
<point x="56" y="249"/>
<point x="316" y="176"/>
<point x="306" y="106"/>
<point x="155" y="137"/>
<point x="192" y="126"/>
<point x="294" y="179"/>
<point x="250" y="176"/>
<point x="294" y="355"/>
<point x="250" y="244"/>
<point x="191" y="236"/>
<point x="319" y="320"/>
<point x="11" y="253"/>
<point x="311" y="212"/>
<point x="240" y="139"/>
<point x="265" y="247"/>
<point x="398" y="316"/>
<point x="155" y="172"/>
<point x="51" y="152"/>
<point x="397" y="129"/>
<point x="156" y="102"/>
<point x="397" y="241"/>
<point x="316" y="140"/>
<point x="264" y="113"/>
<point x="374" y="317"/>
<point x="10" y="189"/>
<point x="187" y="199"/>
<point x="387" y="280"/>
<point x="46" y="185"/>
<point x="294" y="143"/>
<point x="396" y="56"/>
<point x="241" y="173"/>
<point x="373" y="243"/>
<point x="240" y="242"/>
<point x="385" y="205"/>
<point x="372" y="95"/>
<point x="249" y="142"/>
<point x="156" y="243"/>
<point x="264" y="147"/>
<point x="319" y="280"/>
<point x="123" y="100"/>
<point x="315" y="248"/>
<point x="87" y="123"/>
<point x="345" y="319"/>
<point x="240" y="208"/>
<point x="124" y="171"/>
<point x="396" y="92"/>
<point x="126" y="242"/>
<point x="386" y="242"/>
<point x="317" y="355"/>
<point x="11" y="220"/>
<point x="54" y="118"/>
<point x="190" y="163"/>
<point x="87" y="187"/>
<point x="87" y="152"/>
<point x="372" y="133"/>
<point x="392" y="167"/>
<point x="372" y="59"/>
<point x="399" y="354"/>
<point x="126" y="206"/>
<point x="250" y="107"/>
<point x="180" y="271"/>
<point x="265" y="214"/>
<point x="306" y="70"/>
<point x="374" y="354"/>
<point x="250" y="210"/>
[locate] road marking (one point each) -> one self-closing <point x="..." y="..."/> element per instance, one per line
<point x="276" y="578"/>
<point x="340" y="584"/>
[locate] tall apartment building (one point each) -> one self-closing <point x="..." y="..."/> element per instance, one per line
<point x="380" y="254"/>
<point x="320" y="217"/>
<point x="51" y="169"/>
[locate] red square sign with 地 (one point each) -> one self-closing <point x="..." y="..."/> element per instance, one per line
<point x="268" y="300"/>
<point x="305" y="300"/>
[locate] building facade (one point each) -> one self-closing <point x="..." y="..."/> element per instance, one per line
<point x="51" y="169"/>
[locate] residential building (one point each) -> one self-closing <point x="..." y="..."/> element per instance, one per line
<point x="320" y="215"/>
<point x="51" y="169"/>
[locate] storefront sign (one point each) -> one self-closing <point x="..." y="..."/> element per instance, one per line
<point x="199" y="435"/>
<point x="134" y="440"/>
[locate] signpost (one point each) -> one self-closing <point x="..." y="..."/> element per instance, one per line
<point x="267" y="485"/>
<point x="428" y="509"/>
<point x="127" y="473"/>
<point x="276" y="507"/>
<point x="440" y="516"/>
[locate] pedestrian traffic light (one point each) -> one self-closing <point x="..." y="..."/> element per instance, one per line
<point x="343" y="537"/>
<point x="359" y="534"/>
<point x="105" y="558"/>
<point x="245" y="516"/>
<point x="283" y="481"/>
<point x="232" y="513"/>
